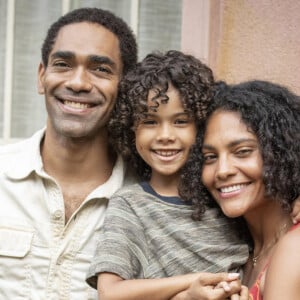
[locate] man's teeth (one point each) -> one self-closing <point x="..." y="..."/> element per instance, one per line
<point x="76" y="104"/>
<point x="232" y="188"/>
<point x="167" y="153"/>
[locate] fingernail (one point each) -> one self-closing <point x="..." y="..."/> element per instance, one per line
<point x="233" y="275"/>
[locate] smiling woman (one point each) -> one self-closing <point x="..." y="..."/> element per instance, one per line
<point x="248" y="172"/>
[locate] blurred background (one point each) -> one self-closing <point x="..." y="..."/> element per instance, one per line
<point x="238" y="39"/>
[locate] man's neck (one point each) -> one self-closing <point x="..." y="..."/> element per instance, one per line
<point x="77" y="166"/>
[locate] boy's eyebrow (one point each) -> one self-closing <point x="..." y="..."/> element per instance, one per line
<point x="92" y="58"/>
<point x="231" y="144"/>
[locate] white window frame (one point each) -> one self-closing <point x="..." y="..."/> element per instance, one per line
<point x="9" y="59"/>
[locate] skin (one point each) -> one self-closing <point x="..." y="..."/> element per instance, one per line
<point x="80" y="88"/>
<point x="233" y="159"/>
<point x="163" y="140"/>
<point x="232" y="171"/>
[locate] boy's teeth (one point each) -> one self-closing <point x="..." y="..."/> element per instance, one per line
<point x="167" y="153"/>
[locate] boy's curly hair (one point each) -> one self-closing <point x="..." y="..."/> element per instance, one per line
<point x="272" y="113"/>
<point x="189" y="76"/>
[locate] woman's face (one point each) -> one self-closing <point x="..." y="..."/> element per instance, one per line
<point x="232" y="170"/>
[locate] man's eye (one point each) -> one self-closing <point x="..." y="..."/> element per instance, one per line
<point x="60" y="64"/>
<point x="103" y="69"/>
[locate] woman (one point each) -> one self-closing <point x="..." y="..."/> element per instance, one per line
<point x="251" y="167"/>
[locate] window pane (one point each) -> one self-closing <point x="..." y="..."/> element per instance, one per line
<point x="32" y="20"/>
<point x="121" y="8"/>
<point x="2" y="59"/>
<point x="159" y="25"/>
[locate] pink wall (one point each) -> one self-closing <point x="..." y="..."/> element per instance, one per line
<point x="247" y="39"/>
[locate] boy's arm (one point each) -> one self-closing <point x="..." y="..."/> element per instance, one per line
<point x="113" y="287"/>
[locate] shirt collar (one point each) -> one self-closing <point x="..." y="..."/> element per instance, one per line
<point x="28" y="152"/>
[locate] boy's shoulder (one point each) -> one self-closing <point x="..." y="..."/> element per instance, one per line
<point x="129" y="190"/>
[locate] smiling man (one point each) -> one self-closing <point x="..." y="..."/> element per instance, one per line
<point x="54" y="186"/>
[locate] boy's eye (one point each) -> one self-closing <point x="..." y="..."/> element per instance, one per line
<point x="148" y="122"/>
<point x="181" y="121"/>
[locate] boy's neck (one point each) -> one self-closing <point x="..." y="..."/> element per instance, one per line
<point x="165" y="186"/>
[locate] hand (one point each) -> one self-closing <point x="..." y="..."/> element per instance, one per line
<point x="210" y="286"/>
<point x="295" y="214"/>
<point x="243" y="295"/>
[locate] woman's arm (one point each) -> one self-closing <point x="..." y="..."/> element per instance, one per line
<point x="283" y="275"/>
<point x="113" y="287"/>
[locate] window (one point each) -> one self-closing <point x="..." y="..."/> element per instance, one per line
<point x="23" y="26"/>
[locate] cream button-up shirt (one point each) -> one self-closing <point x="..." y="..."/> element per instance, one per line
<point x="41" y="257"/>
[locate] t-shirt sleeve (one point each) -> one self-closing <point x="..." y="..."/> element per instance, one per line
<point x="121" y="248"/>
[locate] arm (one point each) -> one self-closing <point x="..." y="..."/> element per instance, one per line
<point x="113" y="287"/>
<point x="283" y="275"/>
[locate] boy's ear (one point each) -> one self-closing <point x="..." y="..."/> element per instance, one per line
<point x="41" y="75"/>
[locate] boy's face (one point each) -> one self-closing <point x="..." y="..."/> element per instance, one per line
<point x="164" y="137"/>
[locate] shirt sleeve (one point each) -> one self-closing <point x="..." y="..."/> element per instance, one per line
<point x="121" y="248"/>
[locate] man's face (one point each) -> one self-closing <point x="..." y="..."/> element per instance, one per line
<point x="81" y="80"/>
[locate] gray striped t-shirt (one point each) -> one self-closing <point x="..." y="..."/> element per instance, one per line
<point x="146" y="236"/>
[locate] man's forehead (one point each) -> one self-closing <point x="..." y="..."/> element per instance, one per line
<point x="88" y="39"/>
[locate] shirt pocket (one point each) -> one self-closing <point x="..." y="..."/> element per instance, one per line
<point x="15" y="242"/>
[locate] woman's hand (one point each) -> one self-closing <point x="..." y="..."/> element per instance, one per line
<point x="218" y="286"/>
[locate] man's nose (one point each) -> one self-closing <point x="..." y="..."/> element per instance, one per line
<point x="79" y="80"/>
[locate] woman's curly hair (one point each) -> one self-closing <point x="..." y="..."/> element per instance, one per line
<point x="272" y="113"/>
<point x="156" y="72"/>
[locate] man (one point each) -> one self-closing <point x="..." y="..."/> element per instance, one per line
<point x="54" y="186"/>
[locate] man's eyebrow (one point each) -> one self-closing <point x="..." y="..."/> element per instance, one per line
<point x="102" y="60"/>
<point x="63" y="54"/>
<point x="92" y="58"/>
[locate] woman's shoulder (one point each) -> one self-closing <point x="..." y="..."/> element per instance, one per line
<point x="283" y="274"/>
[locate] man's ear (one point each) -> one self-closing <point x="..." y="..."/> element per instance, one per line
<point x="41" y="75"/>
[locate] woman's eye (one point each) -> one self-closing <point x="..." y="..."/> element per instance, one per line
<point x="244" y="152"/>
<point x="209" y="158"/>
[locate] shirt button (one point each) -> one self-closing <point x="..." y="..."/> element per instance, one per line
<point x="57" y="214"/>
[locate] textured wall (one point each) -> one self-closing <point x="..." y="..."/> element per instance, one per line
<point x="257" y="39"/>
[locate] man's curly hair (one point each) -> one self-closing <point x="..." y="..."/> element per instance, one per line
<point x="188" y="75"/>
<point x="105" y="18"/>
<point x="272" y="113"/>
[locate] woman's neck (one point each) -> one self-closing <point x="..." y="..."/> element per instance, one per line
<point x="266" y="225"/>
